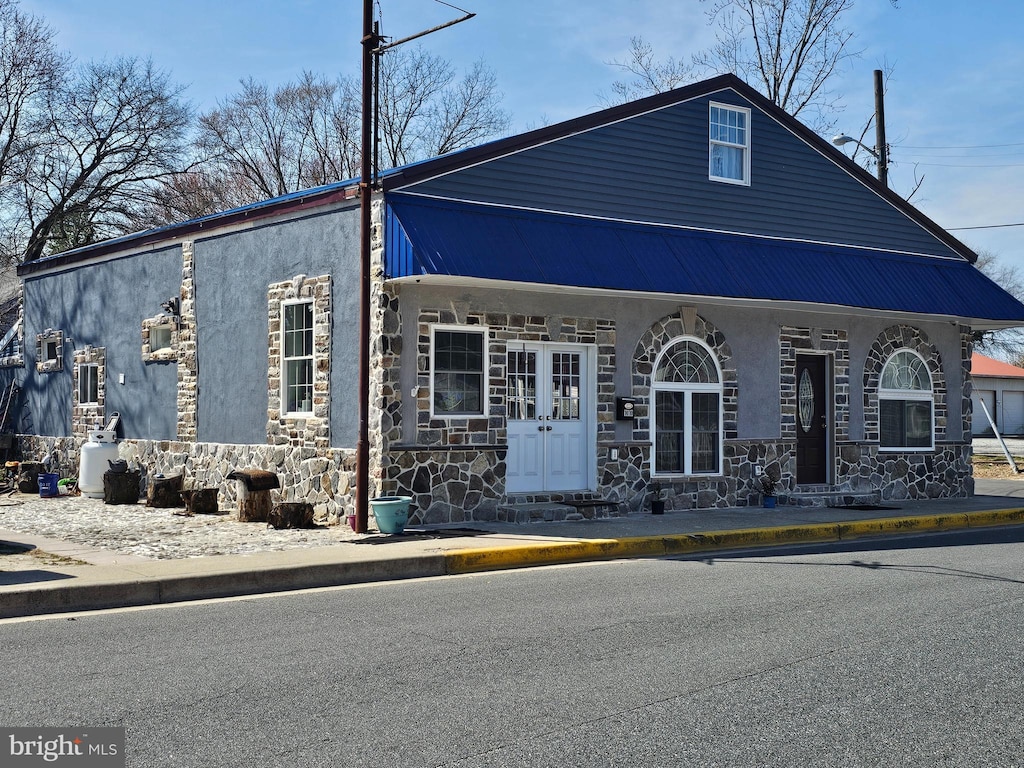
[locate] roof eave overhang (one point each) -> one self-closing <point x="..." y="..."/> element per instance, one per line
<point x="975" y="323"/>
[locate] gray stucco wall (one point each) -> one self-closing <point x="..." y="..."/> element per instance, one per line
<point x="102" y="305"/>
<point x="232" y="274"/>
<point x="752" y="334"/>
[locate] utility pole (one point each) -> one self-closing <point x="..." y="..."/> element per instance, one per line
<point x="371" y="48"/>
<point x="881" y="148"/>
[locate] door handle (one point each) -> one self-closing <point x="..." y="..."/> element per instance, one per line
<point x="824" y="422"/>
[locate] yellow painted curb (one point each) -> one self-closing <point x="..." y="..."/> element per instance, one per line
<point x="995" y="517"/>
<point x="582" y="550"/>
<point x="902" y="525"/>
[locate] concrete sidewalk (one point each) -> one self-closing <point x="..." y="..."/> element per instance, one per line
<point x="114" y="579"/>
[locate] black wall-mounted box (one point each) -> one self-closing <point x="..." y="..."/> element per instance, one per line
<point x="624" y="408"/>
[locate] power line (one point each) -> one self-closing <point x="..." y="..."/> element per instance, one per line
<point x="986" y="226"/>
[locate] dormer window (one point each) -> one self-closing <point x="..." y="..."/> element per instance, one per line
<point x="729" y="144"/>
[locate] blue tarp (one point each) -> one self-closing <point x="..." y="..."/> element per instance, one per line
<point x="440" y="237"/>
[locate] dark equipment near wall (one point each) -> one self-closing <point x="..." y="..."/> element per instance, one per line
<point x="624" y="408"/>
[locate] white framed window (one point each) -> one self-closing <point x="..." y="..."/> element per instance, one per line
<point x="686" y="405"/>
<point x="297" y="356"/>
<point x="729" y="144"/>
<point x="88" y="384"/>
<point x="458" y="363"/>
<point x="905" y="403"/>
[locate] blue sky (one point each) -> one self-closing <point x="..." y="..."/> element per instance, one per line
<point x="953" y="108"/>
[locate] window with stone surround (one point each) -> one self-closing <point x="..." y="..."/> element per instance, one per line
<point x="159" y="339"/>
<point x="299" y="362"/>
<point x="686" y="395"/>
<point x="88" y="392"/>
<point x="49" y="351"/>
<point x="905" y="403"/>
<point x="458" y="364"/>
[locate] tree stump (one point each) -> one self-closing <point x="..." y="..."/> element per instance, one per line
<point x="200" y="502"/>
<point x="28" y="476"/>
<point x="121" y="487"/>
<point x="254" y="486"/>
<point x="253" y="506"/>
<point x="291" y="514"/>
<point x="165" y="491"/>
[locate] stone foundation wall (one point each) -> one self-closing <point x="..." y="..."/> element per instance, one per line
<point x="325" y="479"/>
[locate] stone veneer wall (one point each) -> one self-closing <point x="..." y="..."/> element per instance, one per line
<point x="456" y="470"/>
<point x="88" y="416"/>
<point x="313" y="429"/>
<point x="187" y="349"/>
<point x="325" y="479"/>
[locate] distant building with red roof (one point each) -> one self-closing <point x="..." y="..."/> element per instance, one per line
<point x="1000" y="387"/>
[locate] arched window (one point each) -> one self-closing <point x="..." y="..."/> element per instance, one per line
<point x="905" y="402"/>
<point x="686" y="396"/>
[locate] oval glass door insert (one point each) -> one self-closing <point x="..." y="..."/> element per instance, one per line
<point x="806" y="400"/>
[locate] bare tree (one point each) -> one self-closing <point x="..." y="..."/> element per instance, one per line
<point x="114" y="130"/>
<point x="269" y="143"/>
<point x="787" y="49"/>
<point x="30" y="69"/>
<point x="1007" y="344"/>
<point x="648" y="75"/>
<point x="264" y="143"/>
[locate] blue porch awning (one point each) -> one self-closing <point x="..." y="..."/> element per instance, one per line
<point x="440" y="237"/>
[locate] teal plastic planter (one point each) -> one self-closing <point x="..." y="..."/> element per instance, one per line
<point x="769" y="502"/>
<point x="391" y="512"/>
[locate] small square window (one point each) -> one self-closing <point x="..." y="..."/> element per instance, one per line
<point x="50" y="351"/>
<point x="160" y="337"/>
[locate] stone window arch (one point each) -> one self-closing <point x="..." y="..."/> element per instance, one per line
<point x="899" y="368"/>
<point x="684" y="325"/>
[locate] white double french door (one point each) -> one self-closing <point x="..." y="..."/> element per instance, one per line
<point x="550" y="418"/>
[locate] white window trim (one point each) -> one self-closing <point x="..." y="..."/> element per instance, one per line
<point x="483" y="330"/>
<point x="907" y="394"/>
<point x="285" y="359"/>
<point x="689" y="389"/>
<point x="745" y="181"/>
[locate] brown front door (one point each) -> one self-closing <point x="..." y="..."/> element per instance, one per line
<point x="811" y="420"/>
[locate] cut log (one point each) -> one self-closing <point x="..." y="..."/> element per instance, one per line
<point x="165" y="491"/>
<point x="121" y="487"/>
<point x="253" y="506"/>
<point x="291" y="514"/>
<point x="201" y="502"/>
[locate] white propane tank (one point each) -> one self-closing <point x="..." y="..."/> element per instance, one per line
<point x="96" y="455"/>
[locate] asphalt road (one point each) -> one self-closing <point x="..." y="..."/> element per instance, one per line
<point x="864" y="654"/>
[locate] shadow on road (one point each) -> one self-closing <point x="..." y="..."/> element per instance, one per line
<point x="1007" y="535"/>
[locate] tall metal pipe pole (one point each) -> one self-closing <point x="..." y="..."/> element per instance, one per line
<point x="880" y="145"/>
<point x="369" y="42"/>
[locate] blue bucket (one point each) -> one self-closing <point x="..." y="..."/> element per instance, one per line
<point x="48" y="484"/>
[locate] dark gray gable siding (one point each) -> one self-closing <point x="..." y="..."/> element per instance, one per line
<point x="654" y="168"/>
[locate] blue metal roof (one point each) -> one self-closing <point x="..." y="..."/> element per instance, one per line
<point x="440" y="237"/>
